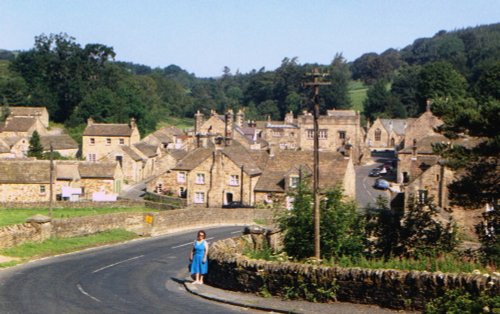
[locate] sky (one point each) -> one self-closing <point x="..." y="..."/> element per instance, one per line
<point x="204" y="36"/>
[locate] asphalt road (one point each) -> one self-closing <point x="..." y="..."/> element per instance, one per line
<point x="365" y="193"/>
<point x="136" y="277"/>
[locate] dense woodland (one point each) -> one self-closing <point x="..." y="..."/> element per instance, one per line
<point x="459" y="70"/>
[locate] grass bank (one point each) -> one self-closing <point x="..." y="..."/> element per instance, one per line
<point x="19" y="215"/>
<point x="55" y="246"/>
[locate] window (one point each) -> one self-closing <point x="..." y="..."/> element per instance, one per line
<point x="181" y="177"/>
<point x="108" y="141"/>
<point x="199" y="197"/>
<point x="310" y="134"/>
<point x="92" y="141"/>
<point x="277" y="133"/>
<point x="323" y="134"/>
<point x="422" y="196"/>
<point x="200" y="178"/>
<point x="234" y="180"/>
<point x="119" y="160"/>
<point x="378" y="135"/>
<point x="91" y="157"/>
<point x="294" y="181"/>
<point x="342" y="135"/>
<point x="42" y="189"/>
<point x="182" y="192"/>
<point x="122" y="141"/>
<point x="159" y="188"/>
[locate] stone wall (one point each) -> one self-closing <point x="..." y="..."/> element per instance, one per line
<point x="80" y="204"/>
<point x="398" y="289"/>
<point x="145" y="224"/>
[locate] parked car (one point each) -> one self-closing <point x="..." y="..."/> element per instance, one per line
<point x="374" y="172"/>
<point x="381" y="184"/>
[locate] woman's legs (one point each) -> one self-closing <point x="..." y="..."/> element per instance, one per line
<point x="197" y="278"/>
<point x="201" y="279"/>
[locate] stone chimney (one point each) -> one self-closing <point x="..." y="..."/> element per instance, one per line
<point x="213" y="112"/>
<point x="198" y="121"/>
<point x="240" y="117"/>
<point x="133" y="125"/>
<point x="390" y="126"/>
<point x="289" y="117"/>
<point x="428" y="104"/>
<point x="229" y="120"/>
<point x="90" y="121"/>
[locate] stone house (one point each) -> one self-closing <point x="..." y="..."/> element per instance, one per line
<point x="14" y="147"/>
<point x="100" y="139"/>
<point x="387" y="133"/>
<point x="40" y="113"/>
<point x="24" y="181"/>
<point x="29" y="180"/>
<point x="212" y="177"/>
<point x="168" y="137"/>
<point x="61" y="143"/>
<point x="423" y="126"/>
<point x="21" y="127"/>
<point x="285" y="170"/>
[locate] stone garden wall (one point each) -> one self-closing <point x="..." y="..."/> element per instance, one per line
<point x="397" y="289"/>
<point x="145" y="224"/>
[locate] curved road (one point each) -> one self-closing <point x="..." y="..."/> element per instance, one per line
<point x="136" y="277"/>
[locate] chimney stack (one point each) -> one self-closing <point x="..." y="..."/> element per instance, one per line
<point x="198" y="121"/>
<point x="90" y="121"/>
<point x="240" y="117"/>
<point x="289" y="118"/>
<point x="133" y="125"/>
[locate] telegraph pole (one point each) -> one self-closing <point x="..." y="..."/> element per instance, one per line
<point x="51" y="192"/>
<point x="317" y="81"/>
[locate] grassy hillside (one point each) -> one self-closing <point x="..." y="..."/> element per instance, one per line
<point x="357" y="92"/>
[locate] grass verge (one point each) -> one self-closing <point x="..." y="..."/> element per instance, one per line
<point x="54" y="246"/>
<point x="19" y="215"/>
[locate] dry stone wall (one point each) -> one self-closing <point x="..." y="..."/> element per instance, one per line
<point x="397" y="289"/>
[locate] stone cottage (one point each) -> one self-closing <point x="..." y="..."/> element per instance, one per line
<point x="387" y="133"/>
<point x="99" y="139"/>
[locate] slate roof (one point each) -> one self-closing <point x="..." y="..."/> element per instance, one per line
<point x="26" y="111"/>
<point x="147" y="149"/>
<point x="178" y="154"/>
<point x="18" y="124"/>
<point x="131" y="152"/>
<point x="97" y="170"/>
<point x="67" y="171"/>
<point x="333" y="167"/>
<point x="59" y="142"/>
<point x="4" y="147"/>
<point x="165" y="135"/>
<point x="25" y="172"/>
<point x="107" y="129"/>
<point x="424" y="145"/>
<point x="398" y="125"/>
<point x="193" y="159"/>
<point x="341" y="113"/>
<point x="241" y="157"/>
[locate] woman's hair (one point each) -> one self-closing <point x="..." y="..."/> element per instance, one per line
<point x="202" y="232"/>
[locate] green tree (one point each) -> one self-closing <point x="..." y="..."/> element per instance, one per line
<point x="336" y="95"/>
<point x="404" y="87"/>
<point x="341" y="231"/>
<point x="4" y="111"/>
<point x="376" y="100"/>
<point x="439" y="79"/>
<point x="35" y="148"/>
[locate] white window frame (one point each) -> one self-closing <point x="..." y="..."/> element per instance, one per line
<point x="234" y="180"/>
<point x="108" y="141"/>
<point x="181" y="177"/>
<point x="323" y="134"/>
<point x="43" y="189"/>
<point x="199" y="197"/>
<point x="122" y="141"/>
<point x="92" y="141"/>
<point x="92" y="157"/>
<point x="200" y="178"/>
<point x="294" y="181"/>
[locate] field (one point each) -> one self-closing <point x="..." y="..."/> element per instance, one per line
<point x="357" y="92"/>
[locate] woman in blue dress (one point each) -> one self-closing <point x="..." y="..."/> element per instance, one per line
<point x="198" y="258"/>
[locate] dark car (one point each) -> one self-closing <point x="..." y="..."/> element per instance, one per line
<point x="381" y="184"/>
<point x="236" y="205"/>
<point x="374" y="172"/>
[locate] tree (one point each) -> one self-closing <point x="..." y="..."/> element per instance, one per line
<point x="336" y="95"/>
<point x="439" y="79"/>
<point x="4" y="111"/>
<point x="35" y="148"/>
<point x="412" y="234"/>
<point x="341" y="232"/>
<point x="376" y="101"/>
<point x="404" y="87"/>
